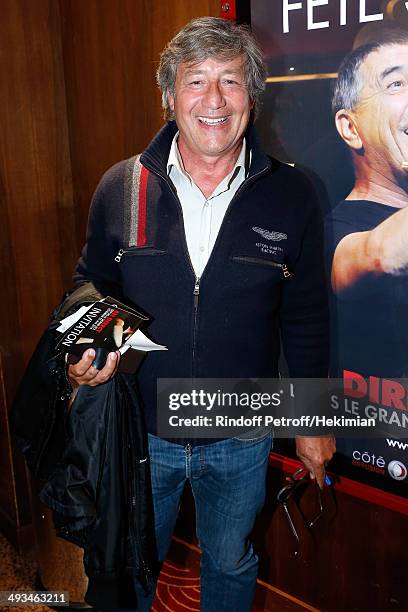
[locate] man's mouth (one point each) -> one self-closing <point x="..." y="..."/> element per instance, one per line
<point x="212" y="120"/>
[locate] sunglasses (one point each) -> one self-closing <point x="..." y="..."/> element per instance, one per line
<point x="295" y="487"/>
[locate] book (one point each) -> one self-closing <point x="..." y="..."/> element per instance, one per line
<point x="106" y="325"/>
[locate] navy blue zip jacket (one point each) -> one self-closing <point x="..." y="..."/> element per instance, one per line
<point x="228" y="323"/>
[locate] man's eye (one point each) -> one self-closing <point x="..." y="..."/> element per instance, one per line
<point x="396" y="84"/>
<point x="195" y="82"/>
<point x="230" y="82"/>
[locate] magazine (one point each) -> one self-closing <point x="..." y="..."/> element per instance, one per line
<point x="107" y="325"/>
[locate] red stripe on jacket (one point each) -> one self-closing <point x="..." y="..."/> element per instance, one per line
<point x="141" y="226"/>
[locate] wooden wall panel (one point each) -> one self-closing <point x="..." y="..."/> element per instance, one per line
<point x="106" y="51"/>
<point x="34" y="167"/>
<point x="111" y="50"/>
<point x="37" y="232"/>
<point x="7" y="484"/>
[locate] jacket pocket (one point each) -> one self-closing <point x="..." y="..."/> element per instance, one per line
<point x="259" y="261"/>
<point x="138" y="251"/>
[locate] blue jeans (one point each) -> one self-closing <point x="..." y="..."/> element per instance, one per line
<point x="228" y="483"/>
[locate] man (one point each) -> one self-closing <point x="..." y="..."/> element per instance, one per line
<point x="214" y="285"/>
<point x="368" y="232"/>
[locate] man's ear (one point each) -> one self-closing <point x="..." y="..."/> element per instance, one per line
<point x="347" y="128"/>
<point x="170" y="100"/>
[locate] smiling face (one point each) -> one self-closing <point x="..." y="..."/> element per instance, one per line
<point x="381" y="115"/>
<point x="211" y="106"/>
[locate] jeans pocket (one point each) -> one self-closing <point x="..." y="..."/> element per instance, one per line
<point x="255" y="435"/>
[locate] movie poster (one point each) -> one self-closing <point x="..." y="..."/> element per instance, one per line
<point x="348" y="130"/>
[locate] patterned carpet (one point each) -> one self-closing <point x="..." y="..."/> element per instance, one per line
<point x="178" y="588"/>
<point x="17" y="574"/>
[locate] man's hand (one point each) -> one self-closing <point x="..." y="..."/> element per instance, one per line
<point x="83" y="372"/>
<point x="316" y="453"/>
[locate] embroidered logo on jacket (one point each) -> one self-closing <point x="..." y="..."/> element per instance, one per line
<point x="276" y="236"/>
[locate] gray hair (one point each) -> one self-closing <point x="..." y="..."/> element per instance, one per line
<point x="349" y="83"/>
<point x="212" y="37"/>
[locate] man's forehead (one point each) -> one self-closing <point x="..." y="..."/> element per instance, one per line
<point x="380" y="62"/>
<point x="223" y="63"/>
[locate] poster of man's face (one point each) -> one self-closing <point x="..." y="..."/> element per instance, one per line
<point x="381" y="113"/>
<point x="371" y="110"/>
<point x="336" y="106"/>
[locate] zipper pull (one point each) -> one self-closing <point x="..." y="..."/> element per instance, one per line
<point x="286" y="273"/>
<point x="196" y="292"/>
<point x="119" y="255"/>
<point x="188" y="449"/>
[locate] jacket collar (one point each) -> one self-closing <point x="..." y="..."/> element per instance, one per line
<point x="156" y="154"/>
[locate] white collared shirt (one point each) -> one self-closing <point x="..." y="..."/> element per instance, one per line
<point x="203" y="216"/>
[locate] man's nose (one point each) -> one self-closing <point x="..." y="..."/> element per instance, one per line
<point x="214" y="96"/>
